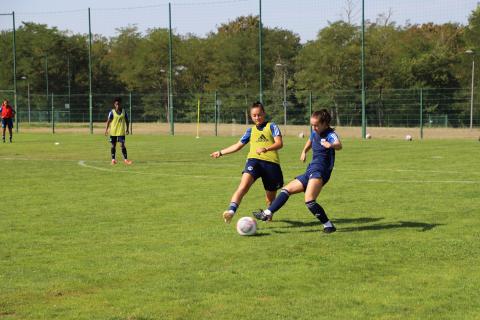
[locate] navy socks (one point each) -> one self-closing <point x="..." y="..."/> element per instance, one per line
<point x="317" y="211"/>
<point x="279" y="201"/>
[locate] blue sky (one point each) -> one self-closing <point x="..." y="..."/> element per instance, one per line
<point x="304" y="17"/>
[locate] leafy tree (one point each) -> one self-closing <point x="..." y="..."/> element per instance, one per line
<point x="330" y="63"/>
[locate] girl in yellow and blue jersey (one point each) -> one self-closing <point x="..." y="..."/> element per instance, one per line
<point x="262" y="161"/>
<point x="118" y="122"/>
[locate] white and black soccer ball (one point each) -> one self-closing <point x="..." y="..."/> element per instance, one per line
<point x="246" y="226"/>
<point x="368" y="136"/>
<point x="408" y="137"/>
<point x="301" y="135"/>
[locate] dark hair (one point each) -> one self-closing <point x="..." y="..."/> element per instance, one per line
<point x="323" y="116"/>
<point x="117" y="99"/>
<point x="257" y="104"/>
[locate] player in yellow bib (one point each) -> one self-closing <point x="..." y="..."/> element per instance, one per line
<point x="262" y="161"/>
<point x="118" y="123"/>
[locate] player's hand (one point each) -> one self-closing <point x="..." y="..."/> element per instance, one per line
<point x="303" y="156"/>
<point x="259" y="151"/>
<point x="215" y="154"/>
<point x="127" y="132"/>
<point x="325" y="143"/>
<point x="106" y="132"/>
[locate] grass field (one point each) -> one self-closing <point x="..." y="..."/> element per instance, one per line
<point x="80" y="239"/>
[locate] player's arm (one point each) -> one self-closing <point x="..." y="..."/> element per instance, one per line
<point x="306" y="148"/>
<point x="278" y="144"/>
<point x="231" y="149"/>
<point x="277" y="138"/>
<point x="332" y="142"/>
<point x="234" y="147"/>
<point x="127" y="122"/>
<point x="109" y="120"/>
<point x="337" y="145"/>
<point x="107" y="125"/>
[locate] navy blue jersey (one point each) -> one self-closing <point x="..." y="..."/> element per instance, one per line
<point x="322" y="156"/>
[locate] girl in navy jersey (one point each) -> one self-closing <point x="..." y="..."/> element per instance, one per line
<point x="323" y="142"/>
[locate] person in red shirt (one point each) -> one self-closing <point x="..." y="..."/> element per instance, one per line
<point x="7" y="114"/>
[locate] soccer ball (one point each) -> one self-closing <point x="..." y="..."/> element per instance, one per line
<point x="368" y="136"/>
<point x="246" y="226"/>
<point x="408" y="137"/>
<point x="301" y="135"/>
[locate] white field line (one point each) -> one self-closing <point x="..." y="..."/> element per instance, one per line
<point x="83" y="164"/>
<point x="166" y="163"/>
<point x="213" y="163"/>
<point x="420" y="181"/>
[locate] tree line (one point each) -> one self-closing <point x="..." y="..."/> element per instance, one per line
<point x="411" y="56"/>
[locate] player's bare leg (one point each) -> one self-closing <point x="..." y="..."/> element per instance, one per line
<point x="243" y="187"/>
<point x="269" y="197"/>
<point x="124" y="152"/>
<point x="294" y="186"/>
<point x="113" y="152"/>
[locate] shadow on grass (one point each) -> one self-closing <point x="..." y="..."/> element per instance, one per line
<point x="422" y="226"/>
<point x="302" y="224"/>
<point x="260" y="234"/>
<point x="395" y="225"/>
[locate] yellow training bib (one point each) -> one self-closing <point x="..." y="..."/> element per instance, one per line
<point x="263" y="139"/>
<point x="118" y="126"/>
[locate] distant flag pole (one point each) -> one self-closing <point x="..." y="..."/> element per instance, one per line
<point x="198" y="118"/>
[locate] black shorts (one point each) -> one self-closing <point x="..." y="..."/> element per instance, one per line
<point x="270" y="172"/>
<point x="114" y="139"/>
<point x="7" y="122"/>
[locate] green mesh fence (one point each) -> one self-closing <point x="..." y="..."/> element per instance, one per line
<point x="295" y="56"/>
<point x="387" y="108"/>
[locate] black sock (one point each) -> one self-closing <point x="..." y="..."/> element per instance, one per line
<point x="279" y="201"/>
<point x="124" y="152"/>
<point x="113" y="151"/>
<point x="317" y="211"/>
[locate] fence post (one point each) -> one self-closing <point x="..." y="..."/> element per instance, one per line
<point x="131" y="115"/>
<point x="216" y="112"/>
<point x="310" y="110"/>
<point x="260" y="50"/>
<point x="170" y="62"/>
<point x="53" y="116"/>
<point x="421" y="113"/>
<point x="15" y="103"/>
<point x="90" y="98"/>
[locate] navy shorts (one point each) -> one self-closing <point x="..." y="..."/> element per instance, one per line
<point x="314" y="172"/>
<point x="270" y="172"/>
<point x="7" y="122"/>
<point x="114" y="139"/>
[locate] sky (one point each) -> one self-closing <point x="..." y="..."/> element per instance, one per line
<point x="304" y="17"/>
